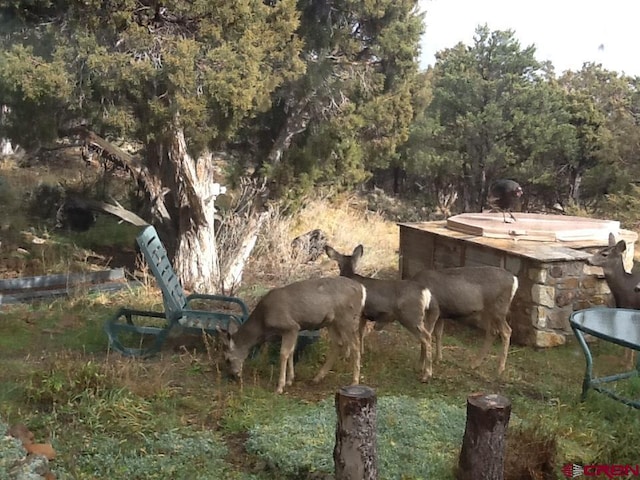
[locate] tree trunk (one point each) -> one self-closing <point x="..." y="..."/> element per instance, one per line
<point x="196" y="256"/>
<point x="576" y="182"/>
<point x="181" y="194"/>
<point x="483" y="446"/>
<point x="295" y="123"/>
<point x="189" y="198"/>
<point x="355" y="455"/>
<point x="5" y="144"/>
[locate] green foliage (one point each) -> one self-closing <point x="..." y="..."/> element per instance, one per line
<point x="417" y="438"/>
<point x="7" y="194"/>
<point x="184" y="454"/>
<point x="352" y="108"/>
<point x="254" y="406"/>
<point x="623" y="206"/>
<point x="59" y="387"/>
<point x="492" y="108"/>
<point x="135" y="72"/>
<point x="44" y="200"/>
<point x="14" y="334"/>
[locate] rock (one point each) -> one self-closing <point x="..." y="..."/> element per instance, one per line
<point x="309" y="246"/>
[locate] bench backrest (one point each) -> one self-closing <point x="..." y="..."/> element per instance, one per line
<point x="174" y="297"/>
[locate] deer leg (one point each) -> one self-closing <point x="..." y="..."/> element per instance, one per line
<point x="420" y="322"/>
<point x="364" y="328"/>
<point x="334" y="342"/>
<point x="484" y="351"/>
<point x="505" y="333"/>
<point x="357" y="357"/>
<point x="287" y="347"/>
<point x="290" y="373"/>
<point x="422" y="333"/>
<point x="425" y="353"/>
<point x="439" y="331"/>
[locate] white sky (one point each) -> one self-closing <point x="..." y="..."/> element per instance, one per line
<point x="567" y="32"/>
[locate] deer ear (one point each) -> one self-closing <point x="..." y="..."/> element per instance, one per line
<point x="358" y="252"/>
<point x="225" y="334"/>
<point x="612" y="239"/>
<point x="621" y="246"/>
<point x="331" y="253"/>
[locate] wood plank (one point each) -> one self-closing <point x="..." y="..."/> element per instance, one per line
<point x="60" y="280"/>
<point x="59" y="292"/>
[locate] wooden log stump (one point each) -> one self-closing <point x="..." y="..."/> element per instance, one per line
<point x="355" y="455"/>
<point x="483" y="447"/>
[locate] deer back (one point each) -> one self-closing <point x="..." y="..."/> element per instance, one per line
<point x="463" y="291"/>
<point x="383" y="296"/>
<point x="304" y="305"/>
<point x="311" y="304"/>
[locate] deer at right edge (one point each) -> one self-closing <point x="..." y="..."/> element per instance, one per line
<point x="621" y="283"/>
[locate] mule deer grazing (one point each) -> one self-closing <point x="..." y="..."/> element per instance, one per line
<point x="463" y="292"/>
<point x="623" y="285"/>
<point x="387" y="300"/>
<point x="333" y="303"/>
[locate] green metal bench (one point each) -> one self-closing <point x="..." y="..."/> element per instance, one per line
<point x="140" y="333"/>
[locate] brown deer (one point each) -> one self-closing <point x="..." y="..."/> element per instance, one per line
<point x="621" y="283"/>
<point x="333" y="303"/>
<point x="387" y="300"/>
<point x="463" y="292"/>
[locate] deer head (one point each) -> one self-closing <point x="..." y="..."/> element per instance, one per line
<point x="346" y="263"/>
<point x="232" y="356"/>
<point x="608" y="256"/>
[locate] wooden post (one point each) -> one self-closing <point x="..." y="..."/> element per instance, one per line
<point x="483" y="446"/>
<point x="355" y="454"/>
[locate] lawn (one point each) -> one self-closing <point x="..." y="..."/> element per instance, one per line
<point x="178" y="416"/>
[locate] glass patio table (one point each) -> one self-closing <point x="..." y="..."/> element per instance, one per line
<point x="620" y="326"/>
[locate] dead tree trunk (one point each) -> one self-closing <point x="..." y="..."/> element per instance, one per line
<point x="483" y="446"/>
<point x="191" y="201"/>
<point x="355" y="455"/>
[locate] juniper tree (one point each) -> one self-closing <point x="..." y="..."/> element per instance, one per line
<point x="172" y="76"/>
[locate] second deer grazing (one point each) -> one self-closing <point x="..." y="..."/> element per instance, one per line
<point x="621" y="283"/>
<point x="333" y="303"/>
<point x="485" y="292"/>
<point x="387" y="300"/>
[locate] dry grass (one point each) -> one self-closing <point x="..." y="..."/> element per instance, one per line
<point x="347" y="223"/>
<point x="344" y="220"/>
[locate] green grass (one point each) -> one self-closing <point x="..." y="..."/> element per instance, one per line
<point x="178" y="416"/>
<point x="61" y="382"/>
<point x="417" y="438"/>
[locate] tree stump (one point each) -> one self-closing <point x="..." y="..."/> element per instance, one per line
<point x="483" y="447"/>
<point x="355" y="455"/>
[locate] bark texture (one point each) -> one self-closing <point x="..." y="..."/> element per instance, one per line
<point x="483" y="447"/>
<point x="355" y="452"/>
<point x="193" y="192"/>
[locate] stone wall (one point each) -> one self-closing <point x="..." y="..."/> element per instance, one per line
<point x="547" y="295"/>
